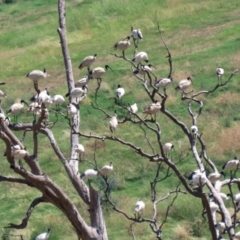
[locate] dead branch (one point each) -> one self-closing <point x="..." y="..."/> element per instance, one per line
<point x="24" y="222"/>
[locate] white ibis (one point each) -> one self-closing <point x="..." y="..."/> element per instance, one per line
<point x="44" y="236"/>
<point x="106" y="170"/>
<point x="139" y="57"/>
<point x="184" y="84"/>
<point x="113" y="123"/>
<point x="153" y="108"/>
<point x="133" y="108"/>
<point x="16" y="108"/>
<point x="120" y="92"/>
<point x="139" y="207"/>
<point x="163" y="82"/>
<point x="36" y="75"/>
<point x="87" y="62"/>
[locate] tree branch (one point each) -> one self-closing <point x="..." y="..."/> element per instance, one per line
<point x="24" y="222"/>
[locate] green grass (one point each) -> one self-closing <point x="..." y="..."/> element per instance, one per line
<point x="201" y="36"/>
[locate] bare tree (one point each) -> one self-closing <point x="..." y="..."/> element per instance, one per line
<point x="200" y="186"/>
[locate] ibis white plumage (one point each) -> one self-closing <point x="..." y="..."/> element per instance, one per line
<point x="184" y="84"/>
<point x="77" y="92"/>
<point x="120" y="92"/>
<point x="215" y="176"/>
<point x="89" y="173"/>
<point x="87" y="62"/>
<point x="98" y="72"/>
<point x="197" y="178"/>
<point x="113" y="123"/>
<point x="106" y="170"/>
<point x="236" y="236"/>
<point x="236" y="197"/>
<point x="213" y="207"/>
<point x="19" y="153"/>
<point x="44" y="236"/>
<point x="233" y="164"/>
<point x="36" y="75"/>
<point x="219" y="71"/>
<point x="133" y="108"/>
<point x="72" y="108"/>
<point x="220" y="226"/>
<point x="82" y="81"/>
<point x="58" y="99"/>
<point x="42" y="97"/>
<point x="16" y="108"/>
<point x="139" y="207"/>
<point x="168" y="147"/>
<point x="140" y="57"/>
<point x="163" y="82"/>
<point x="153" y="108"/>
<point x="194" y="129"/>
<point x="79" y="148"/>
<point x="136" y="35"/>
<point x="143" y="70"/>
<point x="123" y="45"/>
<point x="224" y="196"/>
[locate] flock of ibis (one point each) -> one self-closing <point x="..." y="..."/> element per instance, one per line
<point x="196" y="178"/>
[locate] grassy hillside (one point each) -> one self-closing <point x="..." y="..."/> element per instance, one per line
<point x="201" y="35"/>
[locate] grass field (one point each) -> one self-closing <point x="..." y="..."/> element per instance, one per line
<point x="201" y="36"/>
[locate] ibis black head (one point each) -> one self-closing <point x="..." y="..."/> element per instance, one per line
<point x="119" y="86"/>
<point x="44" y="70"/>
<point x="23" y="101"/>
<point x="189" y="79"/>
<point x="95" y="55"/>
<point x="222" y="173"/>
<point x="146" y="60"/>
<point x="150" y="65"/>
<point x="107" y="67"/>
<point x="2" y="83"/>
